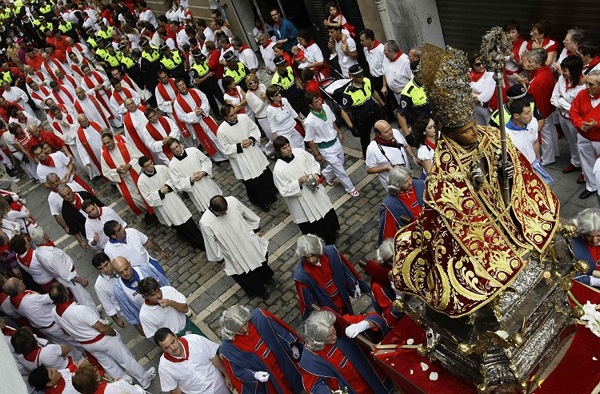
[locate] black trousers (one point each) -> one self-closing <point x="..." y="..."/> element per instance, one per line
<point x="191" y="233"/>
<point x="253" y="282"/>
<point x="212" y="90"/>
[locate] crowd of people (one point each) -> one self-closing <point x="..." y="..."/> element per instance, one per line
<point x="150" y="104"/>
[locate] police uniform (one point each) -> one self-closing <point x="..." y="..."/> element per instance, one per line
<point x="113" y="60"/>
<point x="150" y="65"/>
<point x="174" y="65"/>
<point x="289" y="89"/>
<point x="238" y="73"/>
<point x="209" y="86"/>
<point x="413" y="102"/>
<point x="361" y="107"/>
<point x="133" y="69"/>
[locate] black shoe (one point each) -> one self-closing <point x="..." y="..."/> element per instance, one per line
<point x="185" y="195"/>
<point x="148" y="219"/>
<point x="585" y="194"/>
<point x="264" y="296"/>
<point x="265" y="207"/>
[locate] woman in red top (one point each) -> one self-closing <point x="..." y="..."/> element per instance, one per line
<point x="540" y="85"/>
<point x="539" y="39"/>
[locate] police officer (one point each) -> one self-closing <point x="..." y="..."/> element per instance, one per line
<point x="91" y="40"/>
<point x="150" y="64"/>
<point x="113" y="57"/>
<point x="100" y="53"/>
<point x="513" y="93"/>
<point x="130" y="65"/>
<point x="105" y="32"/>
<point x="172" y="61"/>
<point x="205" y="80"/>
<point x="360" y="108"/>
<point x="285" y="78"/>
<point x="413" y="103"/>
<point x="235" y="69"/>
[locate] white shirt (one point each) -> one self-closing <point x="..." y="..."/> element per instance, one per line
<point x="268" y="55"/>
<point x="563" y="97"/>
<point x="77" y="321"/>
<point x="61" y="167"/>
<point x="397" y="73"/>
<point x="394" y="155"/>
<point x="484" y="87"/>
<point x="133" y="250"/>
<point x="313" y="53"/>
<point x="96" y="226"/>
<point x="375" y="58"/>
<point x="249" y="59"/>
<point x="282" y="118"/>
<point x="345" y="61"/>
<point x="49" y="356"/>
<point x="153" y="317"/>
<point x="37" y="308"/>
<point x="105" y="291"/>
<point x="55" y="201"/>
<point x="524" y="139"/>
<point x="318" y="130"/>
<point x="197" y="374"/>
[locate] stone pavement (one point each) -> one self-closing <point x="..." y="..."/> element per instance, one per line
<point x="209" y="291"/>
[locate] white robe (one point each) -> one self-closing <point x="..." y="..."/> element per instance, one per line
<point x="102" y="95"/>
<point x="20" y="97"/>
<point x="114" y="176"/>
<point x="139" y="120"/>
<point x="166" y="105"/>
<point x="156" y="147"/>
<point x="68" y="133"/>
<point x="251" y="162"/>
<point x="171" y="211"/>
<point x="90" y="110"/>
<point x="232" y="237"/>
<point x="305" y="205"/>
<point x="202" y="190"/>
<point x="94" y="139"/>
<point x="118" y="109"/>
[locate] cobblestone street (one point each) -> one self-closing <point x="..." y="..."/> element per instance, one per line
<point x="209" y="291"/>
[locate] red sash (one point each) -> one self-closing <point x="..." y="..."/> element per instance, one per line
<point x="70" y="80"/>
<point x="91" y="84"/>
<point x="117" y="95"/>
<point x="165" y="95"/>
<point x="157" y="136"/>
<point x="50" y="70"/>
<point x="16" y="300"/>
<point x="41" y="94"/>
<point x="26" y="258"/>
<point x="83" y="139"/>
<point x="66" y="116"/>
<point x="77" y="68"/>
<point x="121" y="145"/>
<point x="200" y="133"/>
<point x="133" y="134"/>
<point x="100" y="110"/>
<point x="59" y="99"/>
<point x="186" y="348"/>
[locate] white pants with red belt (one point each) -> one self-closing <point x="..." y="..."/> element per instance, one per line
<point x="114" y="356"/>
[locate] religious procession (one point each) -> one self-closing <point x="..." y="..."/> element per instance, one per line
<point x="265" y="198"/>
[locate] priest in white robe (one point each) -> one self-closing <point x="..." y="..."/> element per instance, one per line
<point x="309" y="205"/>
<point x="192" y="107"/>
<point x="240" y="138"/>
<point x="98" y="85"/>
<point x="65" y="125"/>
<point x="89" y="145"/>
<point x="92" y="108"/>
<point x="157" y="132"/>
<point x="134" y="123"/>
<point x="156" y="187"/>
<point x="118" y="96"/>
<point x="232" y="238"/>
<point x="191" y="172"/>
<point x="120" y="165"/>
<point x="17" y="95"/>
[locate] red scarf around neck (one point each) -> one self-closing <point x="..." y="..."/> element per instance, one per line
<point x="186" y="348"/>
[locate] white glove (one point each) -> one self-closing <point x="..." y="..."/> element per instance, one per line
<point x="261" y="376"/>
<point x="399" y="294"/>
<point x="354" y="329"/>
<point x="295" y="352"/>
<point x="357" y="291"/>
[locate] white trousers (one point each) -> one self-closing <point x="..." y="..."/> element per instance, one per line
<point x="296" y="140"/>
<point x="588" y="152"/>
<point x="549" y="141"/>
<point x="114" y="356"/>
<point x="571" y="134"/>
<point x="264" y="124"/>
<point x="335" y="156"/>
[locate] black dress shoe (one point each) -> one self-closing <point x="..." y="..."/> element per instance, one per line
<point x="265" y="207"/>
<point x="264" y="296"/>
<point x="148" y="218"/>
<point x="585" y="194"/>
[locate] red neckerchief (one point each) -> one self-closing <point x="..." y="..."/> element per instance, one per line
<point x="16" y="206"/>
<point x="267" y="43"/>
<point x="517" y="46"/>
<point x="272" y="104"/>
<point x="244" y="47"/>
<point x="8" y="331"/>
<point x="77" y="202"/>
<point x="25" y="258"/>
<point x="430" y="144"/>
<point x="400" y="53"/>
<point x="58" y="388"/>
<point x="61" y="307"/>
<point x="375" y="45"/>
<point x="383" y="142"/>
<point x="186" y="348"/>
<point x="593" y="63"/>
<point x="475" y="76"/>
<point x="101" y="387"/>
<point x="16" y="300"/>
<point x="33" y="355"/>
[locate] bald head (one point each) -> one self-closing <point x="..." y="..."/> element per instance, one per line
<point x="13" y="286"/>
<point x="122" y="267"/>
<point x="34" y="130"/>
<point x="83" y="120"/>
<point x="381" y="125"/>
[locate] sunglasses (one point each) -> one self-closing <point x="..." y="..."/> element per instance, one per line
<point x="478" y="64"/>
